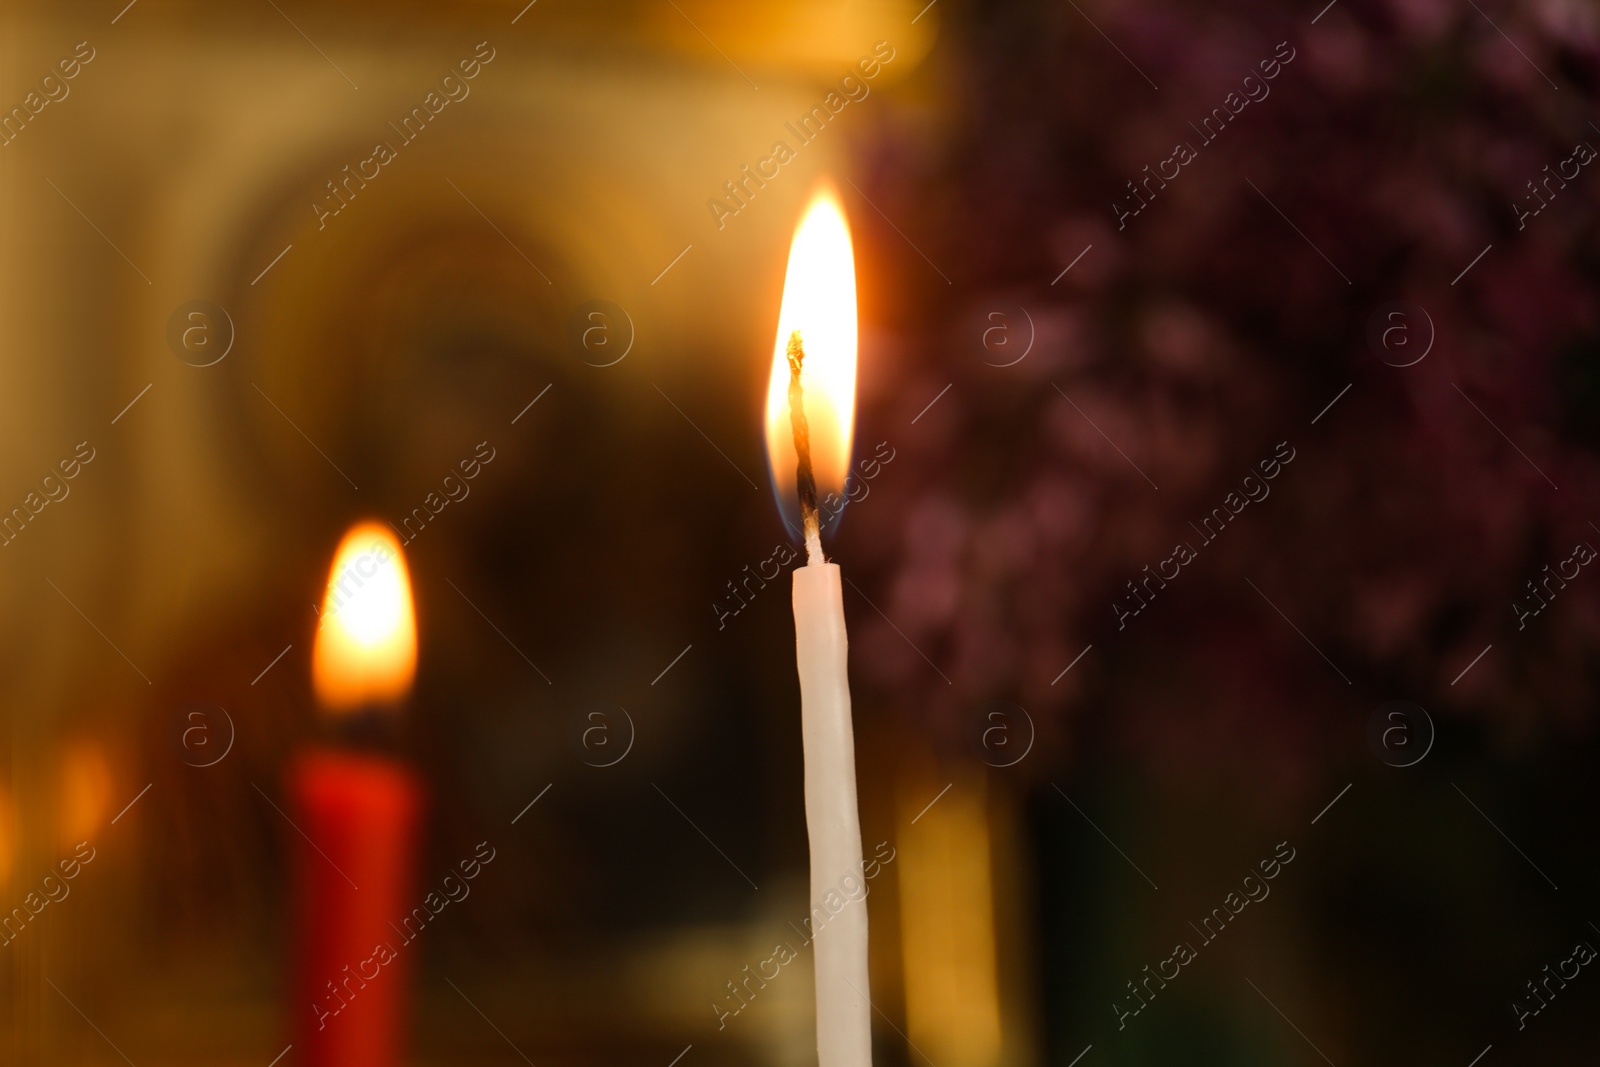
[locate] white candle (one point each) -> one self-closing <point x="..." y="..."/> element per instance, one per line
<point x="844" y="1015"/>
<point x="810" y="412"/>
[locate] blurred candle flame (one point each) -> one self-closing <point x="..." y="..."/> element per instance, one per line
<point x="85" y="791"/>
<point x="8" y="837"/>
<point x="365" y="653"/>
<point x="819" y="301"/>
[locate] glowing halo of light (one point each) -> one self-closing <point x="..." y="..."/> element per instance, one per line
<point x="819" y="301"/>
<point x="365" y="652"/>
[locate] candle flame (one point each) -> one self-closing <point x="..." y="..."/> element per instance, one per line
<point x="8" y="837"/>
<point x="365" y="653"/>
<point x="85" y="791"/>
<point x="819" y="303"/>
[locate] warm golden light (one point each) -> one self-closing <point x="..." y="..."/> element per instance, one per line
<point x="947" y="923"/>
<point x="819" y="301"/>
<point x="366" y="647"/>
<point x="8" y="838"/>
<point x="85" y="791"/>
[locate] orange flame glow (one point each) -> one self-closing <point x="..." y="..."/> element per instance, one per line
<point x="819" y="301"/>
<point x="8" y="837"/>
<point x="365" y="652"/>
<point x="85" y="791"/>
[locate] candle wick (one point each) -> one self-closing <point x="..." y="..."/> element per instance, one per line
<point x="805" y="480"/>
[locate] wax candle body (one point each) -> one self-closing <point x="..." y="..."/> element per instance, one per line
<point x="844" y="1014"/>
<point x="353" y="878"/>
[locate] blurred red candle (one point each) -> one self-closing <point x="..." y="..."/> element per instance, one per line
<point x="358" y="809"/>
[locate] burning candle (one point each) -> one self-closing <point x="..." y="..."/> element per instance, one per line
<point x="810" y="415"/>
<point x="357" y="808"/>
